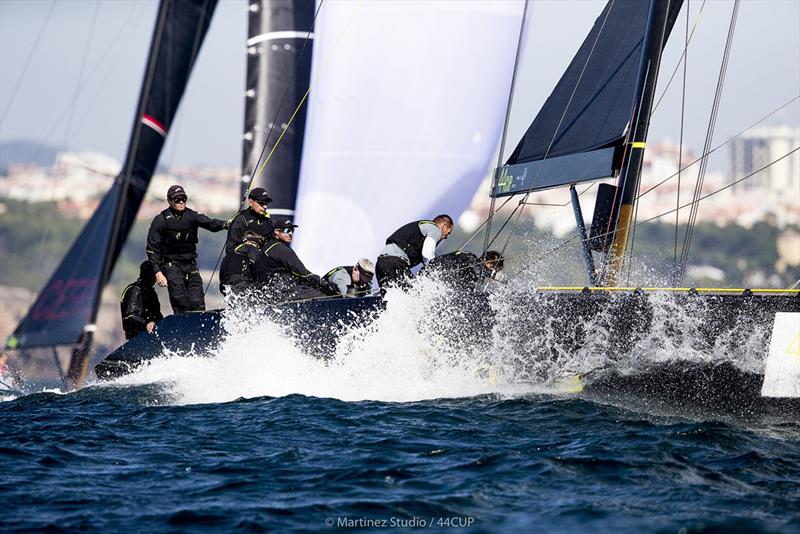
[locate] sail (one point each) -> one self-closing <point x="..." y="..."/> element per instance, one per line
<point x="70" y="298"/>
<point x="406" y="109"/>
<point x="278" y="71"/>
<point x="578" y="132"/>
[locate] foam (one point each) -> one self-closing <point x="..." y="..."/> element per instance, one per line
<point x="402" y="355"/>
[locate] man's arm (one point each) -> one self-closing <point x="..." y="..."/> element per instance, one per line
<point x="212" y="225"/>
<point x="236" y="231"/>
<point x="432" y="236"/>
<point x="154" y="242"/>
<point x="342" y="279"/>
<point x="287" y="256"/>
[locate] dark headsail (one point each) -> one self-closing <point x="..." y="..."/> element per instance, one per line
<point x="278" y="75"/>
<point x="578" y="134"/>
<point x="68" y="303"/>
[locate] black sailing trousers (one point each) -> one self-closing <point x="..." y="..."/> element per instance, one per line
<point x="391" y="270"/>
<point x="185" y="287"/>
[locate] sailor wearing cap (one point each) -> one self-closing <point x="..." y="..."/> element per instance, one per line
<point x="172" y="249"/>
<point x="282" y="272"/>
<point x="352" y="280"/>
<point x="254" y="218"/>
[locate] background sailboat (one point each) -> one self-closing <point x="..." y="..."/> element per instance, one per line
<point x="65" y="311"/>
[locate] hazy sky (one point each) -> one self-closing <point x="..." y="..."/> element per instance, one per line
<point x="78" y="87"/>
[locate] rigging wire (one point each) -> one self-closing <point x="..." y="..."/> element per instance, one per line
<point x="680" y="141"/>
<point x="283" y="100"/>
<point x="669" y="212"/>
<point x="323" y="64"/>
<point x="687" y="243"/>
<point x="28" y="60"/>
<point x="504" y="135"/>
<point x="521" y="204"/>
<point x="57" y="165"/>
<point x="682" y="58"/>
<point x="253" y="173"/>
<point x="726" y="142"/>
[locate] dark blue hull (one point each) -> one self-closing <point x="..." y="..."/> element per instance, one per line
<point x="316" y="324"/>
<point x="538" y="327"/>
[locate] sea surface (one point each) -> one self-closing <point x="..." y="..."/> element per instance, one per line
<point x="399" y="430"/>
<point x="124" y="458"/>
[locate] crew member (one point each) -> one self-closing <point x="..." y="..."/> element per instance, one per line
<point x="139" y="304"/>
<point x="494" y="265"/>
<point x="254" y="218"/>
<point x="410" y="245"/>
<point x="352" y="280"/>
<point x="282" y="272"/>
<point x="237" y="270"/>
<point x="467" y="270"/>
<point x="172" y="247"/>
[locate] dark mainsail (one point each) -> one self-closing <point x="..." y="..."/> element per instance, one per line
<point x="65" y="310"/>
<point x="579" y="131"/>
<point x="278" y="75"/>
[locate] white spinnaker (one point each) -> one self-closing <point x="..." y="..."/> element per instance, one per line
<point x="405" y="114"/>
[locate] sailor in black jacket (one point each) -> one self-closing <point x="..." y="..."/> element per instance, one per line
<point x="282" y="273"/>
<point x="139" y="304"/>
<point x="237" y="270"/>
<point x="255" y="218"/>
<point x="408" y="246"/>
<point x="172" y="248"/>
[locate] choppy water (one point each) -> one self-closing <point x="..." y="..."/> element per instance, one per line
<point x="116" y="458"/>
<point x="398" y="429"/>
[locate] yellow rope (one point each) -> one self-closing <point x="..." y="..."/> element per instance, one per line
<point x="325" y="62"/>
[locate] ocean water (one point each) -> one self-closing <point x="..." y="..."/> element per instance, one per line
<point x="400" y="429"/>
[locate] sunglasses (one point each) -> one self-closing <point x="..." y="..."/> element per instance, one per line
<point x="286" y="230"/>
<point x="178" y="200"/>
<point x="263" y="204"/>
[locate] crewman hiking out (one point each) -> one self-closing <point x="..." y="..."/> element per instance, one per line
<point x="408" y="246"/>
<point x="352" y="280"/>
<point x="172" y="248"/>
<point x="282" y="273"/>
<point x="237" y="271"/>
<point x="139" y="304"/>
<point x="254" y="218"/>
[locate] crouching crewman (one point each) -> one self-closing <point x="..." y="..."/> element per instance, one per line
<point x="139" y="304"/>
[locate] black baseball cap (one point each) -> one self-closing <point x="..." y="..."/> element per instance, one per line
<point x="175" y="191"/>
<point x="282" y="221"/>
<point x="259" y="194"/>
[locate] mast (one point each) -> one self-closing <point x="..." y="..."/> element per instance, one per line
<point x="79" y="359"/>
<point x="278" y="75"/>
<point x="656" y="32"/>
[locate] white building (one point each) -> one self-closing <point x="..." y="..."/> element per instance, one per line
<point x="778" y="185"/>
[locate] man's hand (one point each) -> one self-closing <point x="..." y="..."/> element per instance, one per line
<point x="161" y="280"/>
<point x="150" y="327"/>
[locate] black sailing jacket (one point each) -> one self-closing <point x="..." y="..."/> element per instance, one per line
<point x="244" y="221"/>
<point x="409" y="238"/>
<point x="139" y="305"/>
<point x="173" y="237"/>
